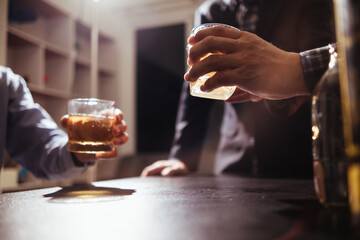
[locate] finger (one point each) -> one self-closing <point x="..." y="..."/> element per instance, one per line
<point x="239" y="93"/>
<point x="221" y="78"/>
<point x="214" y="45"/>
<point x="173" y="171"/>
<point x="123" y="126"/>
<point x="239" y="98"/>
<point x="254" y="98"/>
<point x="152" y="170"/>
<point x="119" y="115"/>
<point x="219" y="31"/>
<point x="211" y="64"/>
<point x="120" y="128"/>
<point x="107" y="155"/>
<point x="120" y="140"/>
<point x="64" y="121"/>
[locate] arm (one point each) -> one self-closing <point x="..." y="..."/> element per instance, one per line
<point x="33" y="139"/>
<point x="257" y="67"/>
<point x="314" y="30"/>
<point x="267" y="71"/>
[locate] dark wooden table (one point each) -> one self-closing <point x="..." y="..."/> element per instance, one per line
<point x="192" y="207"/>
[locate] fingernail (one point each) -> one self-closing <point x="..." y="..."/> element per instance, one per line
<point x="165" y="172"/>
<point x="188" y="78"/>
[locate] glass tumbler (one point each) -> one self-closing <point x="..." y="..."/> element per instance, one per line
<point x="90" y="125"/>
<point x="221" y="93"/>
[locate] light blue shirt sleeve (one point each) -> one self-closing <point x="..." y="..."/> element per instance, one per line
<point x="29" y="134"/>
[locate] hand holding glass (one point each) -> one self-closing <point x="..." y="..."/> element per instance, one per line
<point x="221" y="93"/>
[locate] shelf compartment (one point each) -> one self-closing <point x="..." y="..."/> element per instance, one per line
<point x="58" y="71"/>
<point x="24" y="58"/>
<point x="56" y="107"/>
<point x="107" y="54"/>
<point x="83" y="42"/>
<point x="51" y="26"/>
<point x="107" y="88"/>
<point x="48" y="91"/>
<point x="82" y="83"/>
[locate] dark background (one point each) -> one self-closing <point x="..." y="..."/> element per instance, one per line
<point x="160" y="66"/>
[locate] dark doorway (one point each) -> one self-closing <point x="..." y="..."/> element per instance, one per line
<point x="160" y="70"/>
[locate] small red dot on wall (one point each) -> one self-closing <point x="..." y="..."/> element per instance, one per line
<point x="46" y="78"/>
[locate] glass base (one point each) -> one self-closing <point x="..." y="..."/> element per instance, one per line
<point x="221" y="93"/>
<point x="90" y="147"/>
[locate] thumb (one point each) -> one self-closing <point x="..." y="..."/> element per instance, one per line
<point x="64" y="121"/>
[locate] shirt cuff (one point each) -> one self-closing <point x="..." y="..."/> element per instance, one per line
<point x="314" y="64"/>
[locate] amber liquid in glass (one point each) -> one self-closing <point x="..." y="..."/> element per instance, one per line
<point x="90" y="134"/>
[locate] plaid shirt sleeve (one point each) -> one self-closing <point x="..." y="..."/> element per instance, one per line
<point x="314" y="63"/>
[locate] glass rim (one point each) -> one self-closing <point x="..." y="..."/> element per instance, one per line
<point x="208" y="25"/>
<point x="93" y="100"/>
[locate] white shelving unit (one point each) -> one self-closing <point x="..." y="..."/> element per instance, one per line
<point x="54" y="53"/>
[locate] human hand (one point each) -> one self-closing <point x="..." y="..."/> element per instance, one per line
<point x="120" y="134"/>
<point x="165" y="168"/>
<point x="240" y="96"/>
<point x="244" y="60"/>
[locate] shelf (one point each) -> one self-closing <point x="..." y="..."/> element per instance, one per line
<point x="43" y="8"/>
<point x="82" y="81"/>
<point x="107" y="87"/>
<point x="58" y="71"/>
<point x="51" y="25"/>
<point x="56" y="107"/>
<point x="24" y="36"/>
<point x="83" y="62"/>
<point x="24" y="58"/>
<point x="57" y="50"/>
<point x="46" y="91"/>
<point x="83" y="41"/>
<point x="107" y="54"/>
<point x="53" y="52"/>
<point x="105" y="70"/>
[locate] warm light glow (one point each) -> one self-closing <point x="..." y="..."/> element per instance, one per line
<point x="315" y="131"/>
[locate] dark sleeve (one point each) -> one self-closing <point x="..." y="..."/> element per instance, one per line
<point x="190" y="129"/>
<point x="317" y="27"/>
<point x="316" y="30"/>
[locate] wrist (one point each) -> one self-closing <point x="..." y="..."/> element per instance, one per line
<point x="297" y="82"/>
<point x="82" y="160"/>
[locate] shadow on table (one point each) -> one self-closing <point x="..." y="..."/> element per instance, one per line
<point x="310" y="218"/>
<point x="84" y="193"/>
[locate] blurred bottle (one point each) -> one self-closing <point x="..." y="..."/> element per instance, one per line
<point x="347" y="19"/>
<point x="330" y="171"/>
